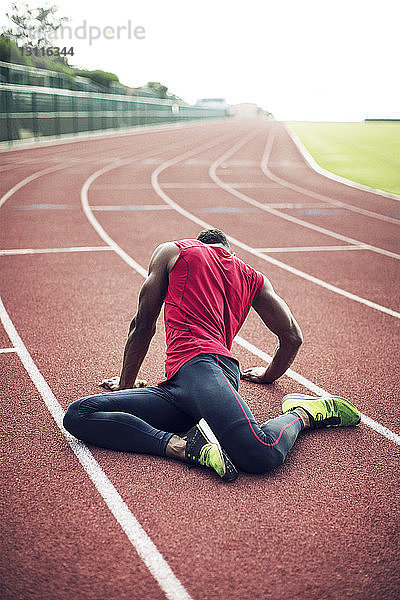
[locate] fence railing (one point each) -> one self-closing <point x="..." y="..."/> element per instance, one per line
<point x="24" y="75"/>
<point x="32" y="112"/>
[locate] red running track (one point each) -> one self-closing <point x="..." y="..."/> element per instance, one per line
<point x="323" y="526"/>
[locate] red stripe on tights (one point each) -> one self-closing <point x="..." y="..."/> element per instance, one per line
<point x="247" y="418"/>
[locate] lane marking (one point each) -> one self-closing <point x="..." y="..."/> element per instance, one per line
<point x="117" y="207"/>
<point x="28" y="179"/>
<point x="294" y="205"/>
<point x="139" y="539"/>
<point x="329" y="175"/>
<point x="122" y="186"/>
<point x="311" y="248"/>
<point x="225" y="209"/>
<point x="294" y="271"/>
<point x="146" y="549"/>
<point x="375" y="425"/>
<point x="318" y="196"/>
<point x="190" y="186"/>
<point x="94" y="222"/>
<point x="7" y="350"/>
<point x="378" y="427"/>
<point x="351" y="207"/>
<point x="43" y="207"/>
<point x="17" y="251"/>
<point x="144" y="546"/>
<point x="264" y="161"/>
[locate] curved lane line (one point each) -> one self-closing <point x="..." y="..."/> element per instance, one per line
<point x="330" y="175"/>
<point x="315" y="389"/>
<point x="376" y="426"/>
<point x="146" y="549"/>
<point x="30" y="178"/>
<point x="274" y="261"/>
<point x="328" y="199"/>
<point x="148" y="552"/>
<point x="274" y="211"/>
<point x="94" y="222"/>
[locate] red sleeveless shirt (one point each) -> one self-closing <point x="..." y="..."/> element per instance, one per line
<point x="209" y="295"/>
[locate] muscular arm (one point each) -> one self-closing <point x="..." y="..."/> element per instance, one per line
<point x="277" y="317"/>
<point x="143" y="325"/>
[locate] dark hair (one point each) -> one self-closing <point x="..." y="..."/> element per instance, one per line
<point x="213" y="236"/>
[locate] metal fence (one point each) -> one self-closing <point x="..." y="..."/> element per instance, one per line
<point x="24" y="75"/>
<point x="33" y="112"/>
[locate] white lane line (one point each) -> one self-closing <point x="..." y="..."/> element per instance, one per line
<point x="292" y="219"/>
<point x="311" y="249"/>
<point x="329" y="175"/>
<point x="7" y="350"/>
<point x="122" y="207"/>
<point x="96" y="225"/>
<point x="17" y="251"/>
<point x="384" y="431"/>
<point x="190" y="186"/>
<point x="294" y="205"/>
<point x="146" y="549"/>
<point x="270" y="259"/>
<point x="315" y="389"/>
<point x="28" y="179"/>
<point x="350" y="207"/>
<point x="89" y="211"/>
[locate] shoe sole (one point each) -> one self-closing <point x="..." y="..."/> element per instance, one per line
<point x="293" y="397"/>
<point x="230" y="469"/>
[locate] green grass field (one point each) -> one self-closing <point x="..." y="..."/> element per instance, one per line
<point x="368" y="152"/>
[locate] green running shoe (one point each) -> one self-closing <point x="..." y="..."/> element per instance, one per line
<point x="329" y="411"/>
<point x="203" y="448"/>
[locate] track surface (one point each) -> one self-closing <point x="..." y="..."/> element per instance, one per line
<point x="326" y="524"/>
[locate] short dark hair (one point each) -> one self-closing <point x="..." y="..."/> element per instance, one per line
<point x="214" y="236"/>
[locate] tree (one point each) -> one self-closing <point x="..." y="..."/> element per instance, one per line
<point x="158" y="88"/>
<point x="102" y="78"/>
<point x="33" y="26"/>
<point x="9" y="52"/>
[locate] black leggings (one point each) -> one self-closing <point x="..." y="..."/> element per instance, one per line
<point x="143" y="420"/>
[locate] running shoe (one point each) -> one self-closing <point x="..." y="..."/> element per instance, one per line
<point x="326" y="411"/>
<point x="203" y="448"/>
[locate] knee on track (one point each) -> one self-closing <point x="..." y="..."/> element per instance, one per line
<point x="257" y="460"/>
<point x="71" y="416"/>
<point x="74" y="417"/>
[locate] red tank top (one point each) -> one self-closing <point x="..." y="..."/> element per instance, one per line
<point x="209" y="295"/>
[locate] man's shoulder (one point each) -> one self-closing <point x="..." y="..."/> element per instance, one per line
<point x="165" y="255"/>
<point x="166" y="247"/>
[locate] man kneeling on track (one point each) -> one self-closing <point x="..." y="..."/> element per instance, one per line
<point x="197" y="415"/>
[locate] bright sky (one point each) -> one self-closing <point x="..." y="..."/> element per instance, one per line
<point x="299" y="59"/>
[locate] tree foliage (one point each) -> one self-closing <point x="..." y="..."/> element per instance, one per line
<point x="103" y="78"/>
<point x="33" y="26"/>
<point x="158" y="88"/>
<point x="9" y="52"/>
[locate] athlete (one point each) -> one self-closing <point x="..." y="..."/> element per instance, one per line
<point x="196" y="414"/>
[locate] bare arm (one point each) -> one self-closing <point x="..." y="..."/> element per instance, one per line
<point x="143" y="325"/>
<point x="277" y="317"/>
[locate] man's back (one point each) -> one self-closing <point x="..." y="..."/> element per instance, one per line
<point x="210" y="293"/>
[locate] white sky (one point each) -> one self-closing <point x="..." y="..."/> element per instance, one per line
<point x="300" y="59"/>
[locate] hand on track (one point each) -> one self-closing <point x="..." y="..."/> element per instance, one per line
<point x="255" y="374"/>
<point x="112" y="384"/>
